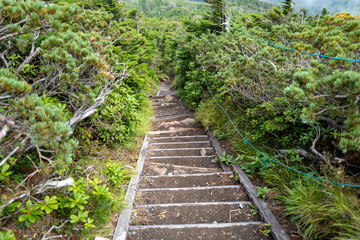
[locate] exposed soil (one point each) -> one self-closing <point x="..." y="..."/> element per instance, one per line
<point x="199" y="161"/>
<point x="196" y="214"/>
<point x="193" y="181"/>
<point x="236" y="233"/>
<point x="190" y="195"/>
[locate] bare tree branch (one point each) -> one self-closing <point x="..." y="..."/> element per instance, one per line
<point x="28" y="60"/>
<point x="8" y="125"/>
<point x="313" y="149"/>
<point x="303" y="153"/>
<point x="332" y="123"/>
<point x="52" y="228"/>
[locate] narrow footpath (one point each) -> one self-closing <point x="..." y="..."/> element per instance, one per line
<point x="182" y="191"/>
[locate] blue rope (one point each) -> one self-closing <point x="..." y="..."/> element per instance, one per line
<point x="292" y="50"/>
<point x="267" y="159"/>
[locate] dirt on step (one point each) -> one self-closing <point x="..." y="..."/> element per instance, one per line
<point x="192" y="195"/>
<point x="249" y="232"/>
<point x="186" y="181"/>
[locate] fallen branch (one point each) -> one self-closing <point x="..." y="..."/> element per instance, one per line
<point x="301" y="152"/>
<point x="8" y="156"/>
<point x="313" y="149"/>
<point x="8" y="125"/>
<point x="51" y="184"/>
<point x="200" y="169"/>
<point x="52" y="228"/>
<point x="28" y="60"/>
<point x="41" y="188"/>
<point x="332" y="123"/>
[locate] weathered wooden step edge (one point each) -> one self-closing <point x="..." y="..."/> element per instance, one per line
<point x="276" y="229"/>
<point x="122" y="225"/>
<point x="196" y="225"/>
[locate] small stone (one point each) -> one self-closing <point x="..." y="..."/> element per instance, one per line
<point x="188" y="121"/>
<point x="215" y="222"/>
<point x="202" y="152"/>
<point x="100" y="238"/>
<point x="168" y="124"/>
<point x="165" y="104"/>
<point x="168" y="98"/>
<point x="158" y="171"/>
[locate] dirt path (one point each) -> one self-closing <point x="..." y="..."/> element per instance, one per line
<point x="183" y="193"/>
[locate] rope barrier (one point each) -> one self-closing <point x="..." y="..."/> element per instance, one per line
<point x="292" y="50"/>
<point x="266" y="158"/>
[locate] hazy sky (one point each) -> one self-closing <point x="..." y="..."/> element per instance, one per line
<point x="313" y="6"/>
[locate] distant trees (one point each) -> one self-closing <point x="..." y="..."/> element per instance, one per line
<point x="216" y="16"/>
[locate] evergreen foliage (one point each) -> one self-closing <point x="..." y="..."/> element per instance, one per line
<point x="293" y="103"/>
<point x="72" y="73"/>
<point x="188" y="9"/>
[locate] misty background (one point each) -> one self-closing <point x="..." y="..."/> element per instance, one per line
<point x="333" y="6"/>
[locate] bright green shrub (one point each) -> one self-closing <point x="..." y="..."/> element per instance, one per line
<point x="304" y="110"/>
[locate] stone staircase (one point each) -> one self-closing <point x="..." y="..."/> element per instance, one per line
<point x="183" y="191"/>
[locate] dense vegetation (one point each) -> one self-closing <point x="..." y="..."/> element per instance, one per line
<point x="193" y="9"/>
<point x="74" y="79"/>
<point x="302" y="109"/>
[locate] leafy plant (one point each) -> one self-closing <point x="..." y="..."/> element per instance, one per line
<point x="265" y="228"/>
<point x="235" y="177"/>
<point x="79" y="217"/>
<point x="253" y="209"/>
<point x="116" y="173"/>
<point x="253" y="165"/>
<point x="50" y="204"/>
<point x="78" y="186"/>
<point x="4" y="173"/>
<point x="229" y="159"/>
<point x="8" y="235"/>
<point x="78" y="201"/>
<point x="30" y="213"/>
<point x="262" y="192"/>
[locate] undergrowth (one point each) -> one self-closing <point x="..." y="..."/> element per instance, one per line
<point x="113" y="165"/>
<point x="321" y="209"/>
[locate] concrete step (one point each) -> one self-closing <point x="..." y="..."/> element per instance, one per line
<point x="193" y="161"/>
<point x="195" y="144"/>
<point x="230" y="193"/>
<point x="190" y="213"/>
<point x="187" y="180"/>
<point x="210" y="231"/>
<point x="181" y="152"/>
<point x="179" y="139"/>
